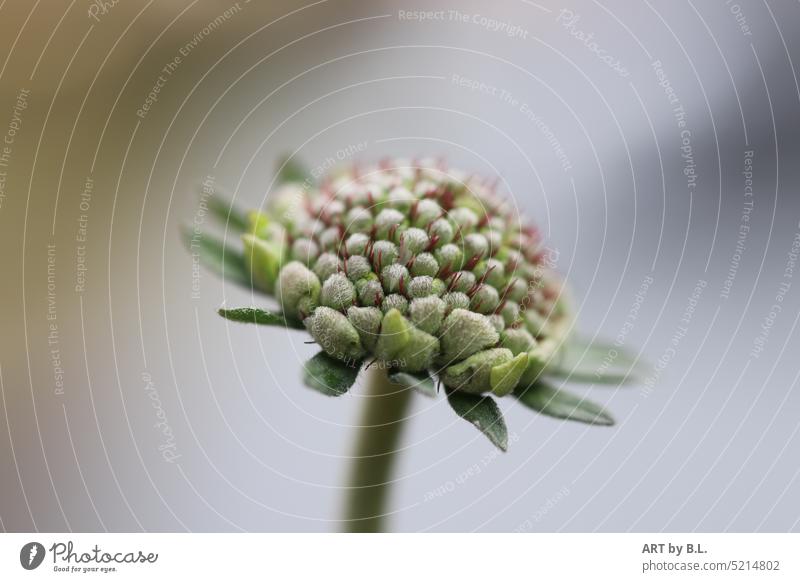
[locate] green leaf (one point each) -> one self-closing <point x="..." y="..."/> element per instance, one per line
<point x="483" y="413"/>
<point x="422" y="383"/>
<point x="218" y="257"/>
<point x="259" y="316"/>
<point x="330" y="376"/>
<point x="561" y="404"/>
<point x="595" y="363"/>
<point x="290" y="170"/>
<point x="228" y="214"/>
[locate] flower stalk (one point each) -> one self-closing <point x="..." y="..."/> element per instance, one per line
<point x="375" y="454"/>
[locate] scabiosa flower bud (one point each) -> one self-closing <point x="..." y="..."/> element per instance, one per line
<point x="370" y="292"/>
<point x="427" y="313"/>
<point x="395" y="278"/>
<point x="464" y="333"/>
<point x="358" y="220"/>
<point x="387" y="222"/>
<point x="334" y="334"/>
<point x="338" y="292"/>
<point x="395" y="301"/>
<point x="304" y="250"/>
<point x="425" y="268"/>
<point x="356" y="244"/>
<point x="327" y="264"/>
<point x="383" y="253"/>
<point x="357" y="267"/>
<point x="367" y="321"/>
<point x="298" y="290"/>
<point x="424" y="265"/>
<point x="441" y="232"/>
<point x="496" y="370"/>
<point x="456" y="300"/>
<point x="426" y="212"/>
<point x="420" y="287"/>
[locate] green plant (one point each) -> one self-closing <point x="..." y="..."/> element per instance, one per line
<point x="418" y="272"/>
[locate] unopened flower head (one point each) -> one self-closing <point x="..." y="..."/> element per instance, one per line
<point x="416" y="265"/>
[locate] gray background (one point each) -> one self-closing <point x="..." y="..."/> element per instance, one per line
<point x="713" y="446"/>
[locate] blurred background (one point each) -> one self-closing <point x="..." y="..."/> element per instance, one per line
<point x="655" y="144"/>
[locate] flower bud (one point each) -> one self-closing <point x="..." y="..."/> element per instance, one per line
<point x="495" y="370"/>
<point x="420" y="287"/>
<point x="426" y="212"/>
<point x="463" y="218"/>
<point x="297" y="290"/>
<point x="517" y="340"/>
<point x="400" y="198"/>
<point x="330" y="239"/>
<point x="305" y="250"/>
<point x="465" y="333"/>
<point x="463" y="281"/>
<point x="395" y="278"/>
<point x="386" y="221"/>
<point x="338" y="292"/>
<point x="412" y="242"/>
<point x="384" y="253"/>
<point x="395" y="301"/>
<point x="449" y="257"/>
<point x="334" y="334"/>
<point x="485" y="300"/>
<point x="475" y="245"/>
<point x="358" y="220"/>
<point x="263" y="260"/>
<point x="424" y="264"/>
<point x="427" y="313"/>
<point x="367" y="321"/>
<point x="456" y="300"/>
<point x="370" y="292"/>
<point x="327" y="264"/>
<point x="356" y="244"/>
<point x="441" y="231"/>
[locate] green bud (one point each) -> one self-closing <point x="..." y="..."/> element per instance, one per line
<point x="463" y="218"/>
<point x="412" y="242"/>
<point x="449" y="257"/>
<point x="263" y="260"/>
<point x="297" y="290"/>
<point x="473" y="375"/>
<point x="465" y="333"/>
<point x="305" y="250"/>
<point x="400" y="198"/>
<point x="338" y="292"/>
<point x="384" y="253"/>
<point x="510" y="313"/>
<point x="427" y="313"/>
<point x="356" y="244"/>
<point x="370" y="292"/>
<point x="334" y="334"/>
<point x="456" y="300"/>
<point x="358" y="220"/>
<point x="367" y="321"/>
<point x="426" y="212"/>
<point x="420" y="287"/>
<point x="386" y="221"/>
<point x="424" y="265"/>
<point x="517" y="340"/>
<point x="327" y="264"/>
<point x="419" y="352"/>
<point x="485" y="300"/>
<point x="395" y="332"/>
<point x="395" y="278"/>
<point x="330" y="239"/>
<point x="442" y="231"/>
<point x="475" y="245"/>
<point x="395" y="301"/>
<point x="463" y="281"/>
<point x="357" y="267"/>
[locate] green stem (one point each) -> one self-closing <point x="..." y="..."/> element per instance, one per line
<point x="370" y="479"/>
